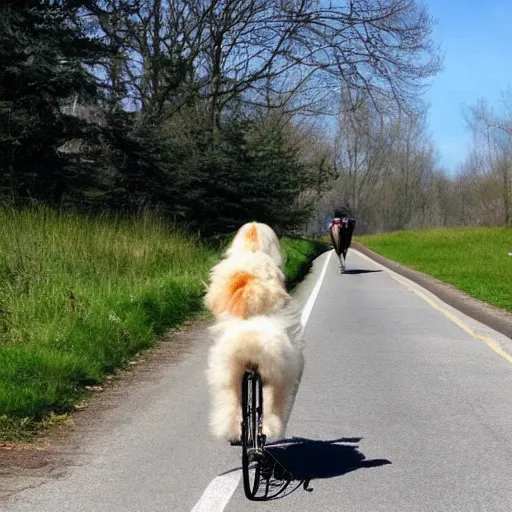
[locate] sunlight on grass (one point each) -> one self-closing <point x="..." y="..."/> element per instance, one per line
<point x="475" y="260"/>
<point x="78" y="297"/>
<point x="299" y="255"/>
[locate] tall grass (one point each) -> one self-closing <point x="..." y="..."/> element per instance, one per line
<point x="81" y="296"/>
<point x="475" y="260"/>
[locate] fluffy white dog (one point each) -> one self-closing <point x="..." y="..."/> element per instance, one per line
<point x="257" y="326"/>
<point x="249" y="280"/>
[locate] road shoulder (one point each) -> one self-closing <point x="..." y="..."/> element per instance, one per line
<point x="53" y="453"/>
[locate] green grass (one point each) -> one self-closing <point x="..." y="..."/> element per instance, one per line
<point x="80" y="297"/>
<point x="475" y="260"/>
<point x="299" y="256"/>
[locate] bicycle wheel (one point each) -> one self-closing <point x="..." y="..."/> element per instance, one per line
<point x="252" y="452"/>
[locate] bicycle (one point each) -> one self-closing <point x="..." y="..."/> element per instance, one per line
<point x="253" y="442"/>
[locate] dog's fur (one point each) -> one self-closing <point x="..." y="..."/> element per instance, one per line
<point x="268" y="343"/>
<point x="249" y="280"/>
<point x="257" y="237"/>
<point x="246" y="284"/>
<point x="258" y="326"/>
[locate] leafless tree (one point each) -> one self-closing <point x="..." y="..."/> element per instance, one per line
<point x="297" y="53"/>
<point x="492" y="136"/>
<point x="386" y="169"/>
<point x="412" y="166"/>
<point x="363" y="145"/>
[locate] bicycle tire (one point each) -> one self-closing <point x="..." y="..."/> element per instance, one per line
<point x="252" y="409"/>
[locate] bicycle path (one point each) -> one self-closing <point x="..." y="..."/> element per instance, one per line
<point x="385" y="367"/>
<point x="424" y="410"/>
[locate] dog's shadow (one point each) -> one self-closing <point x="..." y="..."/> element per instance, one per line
<point x="305" y="460"/>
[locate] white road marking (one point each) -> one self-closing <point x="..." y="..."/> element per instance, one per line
<point x="218" y="493"/>
<point x="314" y="294"/>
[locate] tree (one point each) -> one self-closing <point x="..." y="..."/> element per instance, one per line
<point x="197" y="103"/>
<point x="140" y="169"/>
<point x="363" y="146"/>
<point x="493" y="142"/>
<point x="44" y="54"/>
<point x="250" y="174"/>
<point x="386" y="169"/>
<point x="411" y="168"/>
<point x="295" y="53"/>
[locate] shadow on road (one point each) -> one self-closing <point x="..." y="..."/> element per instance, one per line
<point x="307" y="459"/>
<point x="360" y="271"/>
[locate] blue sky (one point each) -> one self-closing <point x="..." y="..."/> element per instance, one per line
<point x="476" y="37"/>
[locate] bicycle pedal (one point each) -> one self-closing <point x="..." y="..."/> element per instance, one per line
<point x="235" y="443"/>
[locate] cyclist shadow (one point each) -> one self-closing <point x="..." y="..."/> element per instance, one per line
<point x="360" y="271"/>
<point x="308" y="459"/>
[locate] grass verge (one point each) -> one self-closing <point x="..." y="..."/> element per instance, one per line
<point x="300" y="254"/>
<point x="80" y="297"/>
<point x="474" y="260"/>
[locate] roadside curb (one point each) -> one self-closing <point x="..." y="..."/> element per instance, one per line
<point x="495" y="318"/>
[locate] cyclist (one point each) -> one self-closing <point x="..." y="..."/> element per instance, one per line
<point x="341" y="229"/>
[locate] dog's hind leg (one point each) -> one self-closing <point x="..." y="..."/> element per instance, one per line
<point x="277" y="404"/>
<point x="273" y="425"/>
<point x="224" y="379"/>
<point x="225" y="414"/>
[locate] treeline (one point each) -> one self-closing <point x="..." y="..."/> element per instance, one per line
<point x="482" y="189"/>
<point x="386" y="170"/>
<point x="388" y="173"/>
<point x="201" y="109"/>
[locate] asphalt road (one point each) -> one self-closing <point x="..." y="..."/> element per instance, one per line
<point x="423" y="409"/>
